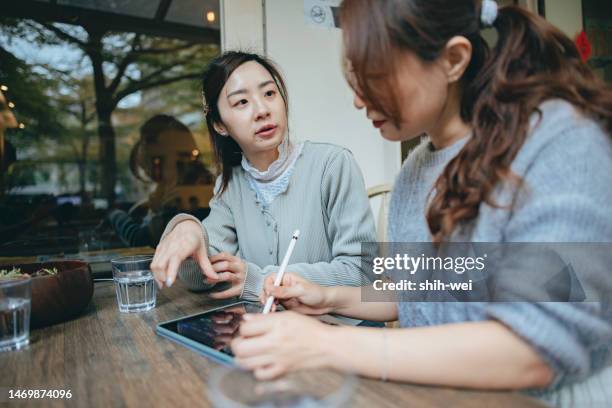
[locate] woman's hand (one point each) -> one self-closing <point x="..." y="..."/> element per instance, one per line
<point x="298" y="294"/>
<point x="185" y="240"/>
<point x="273" y="344"/>
<point x="232" y="269"/>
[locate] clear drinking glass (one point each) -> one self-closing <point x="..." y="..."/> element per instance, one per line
<point x="134" y="284"/>
<point x="236" y="388"/>
<point x="15" y="306"/>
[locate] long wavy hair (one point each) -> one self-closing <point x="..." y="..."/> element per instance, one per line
<point x="502" y="87"/>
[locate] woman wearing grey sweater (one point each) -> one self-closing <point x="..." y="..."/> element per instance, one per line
<point x="268" y="188"/>
<point x="518" y="150"/>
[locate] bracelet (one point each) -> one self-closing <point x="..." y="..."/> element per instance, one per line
<point x="385" y="360"/>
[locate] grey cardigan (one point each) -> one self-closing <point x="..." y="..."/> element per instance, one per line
<point x="326" y="200"/>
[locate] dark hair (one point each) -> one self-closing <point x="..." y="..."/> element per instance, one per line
<point x="227" y="152"/>
<point x="532" y="62"/>
<point x="149" y="133"/>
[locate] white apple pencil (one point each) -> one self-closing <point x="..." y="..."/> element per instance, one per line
<point x="281" y="271"/>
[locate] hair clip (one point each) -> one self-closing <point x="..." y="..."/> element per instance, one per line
<point x="488" y="13"/>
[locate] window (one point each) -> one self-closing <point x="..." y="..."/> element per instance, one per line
<point x="597" y="15"/>
<point x="107" y="104"/>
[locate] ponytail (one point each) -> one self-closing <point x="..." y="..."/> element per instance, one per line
<point x="532" y="62"/>
<point x="500" y="90"/>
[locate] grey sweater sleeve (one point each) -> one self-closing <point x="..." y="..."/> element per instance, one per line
<point x="563" y="204"/>
<point x="349" y="223"/>
<point x="129" y="231"/>
<point x="219" y="236"/>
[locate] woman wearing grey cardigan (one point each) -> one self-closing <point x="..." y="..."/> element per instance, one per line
<point x="268" y="187"/>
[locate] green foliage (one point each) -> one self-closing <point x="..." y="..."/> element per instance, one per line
<point x="28" y="90"/>
<point x="58" y="101"/>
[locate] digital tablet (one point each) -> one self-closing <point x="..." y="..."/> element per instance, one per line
<point x="209" y="333"/>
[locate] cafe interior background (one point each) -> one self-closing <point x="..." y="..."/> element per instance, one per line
<point x="82" y="76"/>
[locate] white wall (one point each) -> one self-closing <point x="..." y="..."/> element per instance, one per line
<point x="531" y="5"/>
<point x="321" y="107"/>
<point x="242" y="25"/>
<point x="566" y="15"/>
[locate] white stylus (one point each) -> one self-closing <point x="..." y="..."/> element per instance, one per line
<point x="281" y="271"/>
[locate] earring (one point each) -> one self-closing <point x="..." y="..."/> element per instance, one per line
<point x="219" y="131"/>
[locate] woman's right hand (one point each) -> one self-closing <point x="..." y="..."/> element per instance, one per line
<point x="298" y="294"/>
<point x="185" y="240"/>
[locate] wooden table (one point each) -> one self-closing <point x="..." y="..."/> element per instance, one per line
<point x="106" y="358"/>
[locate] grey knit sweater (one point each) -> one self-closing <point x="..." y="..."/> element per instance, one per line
<point x="566" y="164"/>
<point x="326" y="200"/>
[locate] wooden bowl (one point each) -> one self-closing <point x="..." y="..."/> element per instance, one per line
<point x="61" y="297"/>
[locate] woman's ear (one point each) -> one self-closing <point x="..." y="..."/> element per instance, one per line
<point x="220" y="129"/>
<point x="456" y="57"/>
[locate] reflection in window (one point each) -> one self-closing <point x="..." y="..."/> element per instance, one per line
<point x="80" y="94"/>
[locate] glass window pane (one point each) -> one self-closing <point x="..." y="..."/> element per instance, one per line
<point x="76" y="155"/>
<point x="136" y="8"/>
<point x="200" y="13"/>
<point x="597" y="15"/>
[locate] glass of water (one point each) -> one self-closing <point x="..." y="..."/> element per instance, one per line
<point x="134" y="284"/>
<point x="15" y="306"/>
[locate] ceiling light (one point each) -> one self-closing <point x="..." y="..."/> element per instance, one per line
<point x="210" y="17"/>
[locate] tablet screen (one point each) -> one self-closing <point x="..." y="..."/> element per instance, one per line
<point x="216" y="328"/>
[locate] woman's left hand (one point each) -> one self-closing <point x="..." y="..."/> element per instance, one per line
<point x="232" y="269"/>
<point x="277" y="343"/>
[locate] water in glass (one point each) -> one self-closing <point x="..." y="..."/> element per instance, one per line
<point x="14" y="322"/>
<point x="136" y="291"/>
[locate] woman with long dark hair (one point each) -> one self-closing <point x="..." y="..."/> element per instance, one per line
<point x="268" y="187"/>
<point x="159" y="133"/>
<point x="518" y="149"/>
